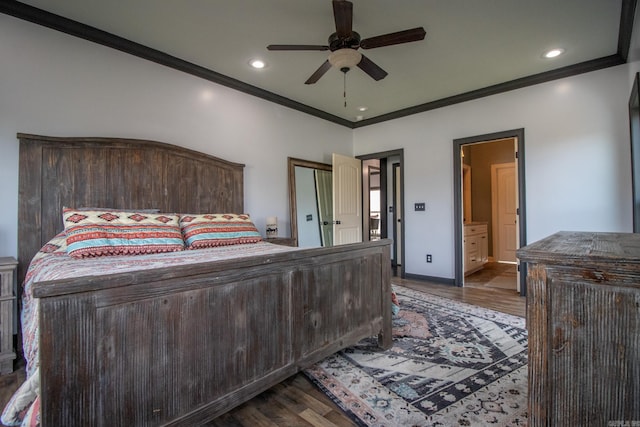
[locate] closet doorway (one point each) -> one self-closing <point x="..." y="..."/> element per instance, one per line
<point x="383" y="201"/>
<point x="489" y="209"/>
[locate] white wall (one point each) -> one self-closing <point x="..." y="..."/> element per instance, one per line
<point x="578" y="172"/>
<point x="54" y="84"/>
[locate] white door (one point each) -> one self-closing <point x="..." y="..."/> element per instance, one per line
<point x="347" y="199"/>
<point x="504" y="195"/>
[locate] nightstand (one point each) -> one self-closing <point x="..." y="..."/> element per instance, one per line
<point x="284" y="241"/>
<point x="7" y="298"/>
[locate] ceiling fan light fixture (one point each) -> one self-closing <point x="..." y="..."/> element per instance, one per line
<point x="345" y="58"/>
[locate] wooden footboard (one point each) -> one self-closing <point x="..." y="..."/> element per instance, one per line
<point x="180" y="346"/>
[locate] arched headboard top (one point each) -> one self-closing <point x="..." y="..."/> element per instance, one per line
<point x="81" y="142"/>
<point x="115" y="173"/>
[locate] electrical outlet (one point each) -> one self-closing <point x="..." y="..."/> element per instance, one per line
<point x="429" y="259"/>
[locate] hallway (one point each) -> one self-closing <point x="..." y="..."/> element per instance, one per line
<point x="494" y="275"/>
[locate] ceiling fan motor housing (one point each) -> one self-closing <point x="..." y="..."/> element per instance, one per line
<point x="350" y="42"/>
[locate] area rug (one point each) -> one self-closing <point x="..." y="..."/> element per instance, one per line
<point x="451" y="364"/>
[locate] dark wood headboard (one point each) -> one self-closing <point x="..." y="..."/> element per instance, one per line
<point x="115" y="173"/>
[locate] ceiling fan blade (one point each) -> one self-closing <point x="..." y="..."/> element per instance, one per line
<point x="406" y="36"/>
<point x="369" y="67"/>
<point x="343" y="15"/>
<point x="296" y="47"/>
<point x="318" y="73"/>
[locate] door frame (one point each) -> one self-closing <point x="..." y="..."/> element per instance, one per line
<point x="395" y="168"/>
<point x="382" y="156"/>
<point x="457" y="198"/>
<point x="381" y="213"/>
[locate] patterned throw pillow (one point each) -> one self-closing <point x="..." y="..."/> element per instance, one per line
<point x="97" y="233"/>
<point x="209" y="230"/>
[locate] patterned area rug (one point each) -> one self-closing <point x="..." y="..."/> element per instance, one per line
<point x="451" y="364"/>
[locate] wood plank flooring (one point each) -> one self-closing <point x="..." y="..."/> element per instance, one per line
<point x="296" y="401"/>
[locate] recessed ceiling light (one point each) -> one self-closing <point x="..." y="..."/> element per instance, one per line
<point x="553" y="53"/>
<point x="363" y="108"/>
<point x="257" y="63"/>
<point x="206" y="95"/>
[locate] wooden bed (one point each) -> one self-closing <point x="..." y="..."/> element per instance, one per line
<point x="268" y="316"/>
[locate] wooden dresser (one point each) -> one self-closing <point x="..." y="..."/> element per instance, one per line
<point x="7" y="300"/>
<point x="476" y="246"/>
<point x="583" y="319"/>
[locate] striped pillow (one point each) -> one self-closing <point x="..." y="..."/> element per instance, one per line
<point x="112" y="232"/>
<point x="209" y="230"/>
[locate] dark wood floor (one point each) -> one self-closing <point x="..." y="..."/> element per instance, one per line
<point x="296" y="401"/>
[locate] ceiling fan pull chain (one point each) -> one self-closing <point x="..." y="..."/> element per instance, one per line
<point x="344" y="84"/>
<point x="344" y="93"/>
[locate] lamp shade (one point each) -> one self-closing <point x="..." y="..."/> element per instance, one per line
<point x="272" y="226"/>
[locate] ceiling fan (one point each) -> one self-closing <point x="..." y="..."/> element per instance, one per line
<point x="345" y="42"/>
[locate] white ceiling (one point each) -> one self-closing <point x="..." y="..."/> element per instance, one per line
<point x="470" y="44"/>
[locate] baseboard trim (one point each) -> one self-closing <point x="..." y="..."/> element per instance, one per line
<point x="441" y="280"/>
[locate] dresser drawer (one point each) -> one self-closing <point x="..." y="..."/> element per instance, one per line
<point x="475" y="229"/>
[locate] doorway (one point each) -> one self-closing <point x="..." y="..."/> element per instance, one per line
<point x="385" y="204"/>
<point x="397" y="216"/>
<point x="373" y="167"/>
<point x="489" y="203"/>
